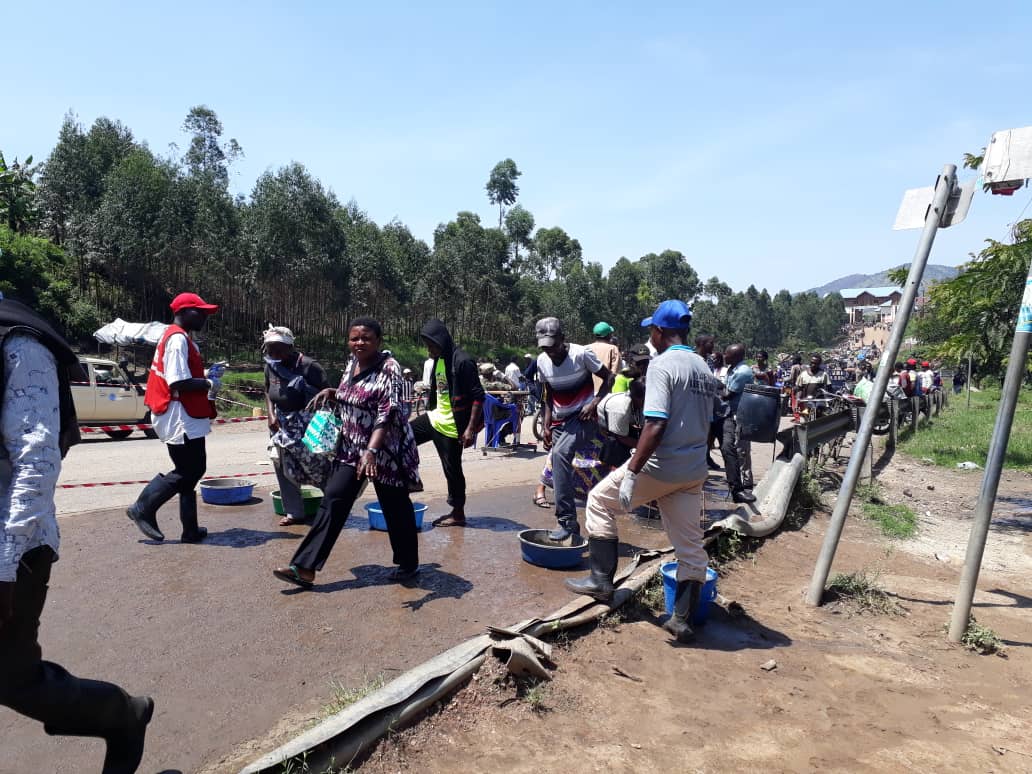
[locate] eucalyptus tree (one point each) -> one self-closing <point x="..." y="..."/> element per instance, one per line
<point x="501" y="186"/>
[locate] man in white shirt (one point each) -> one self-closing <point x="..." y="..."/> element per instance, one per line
<point x="513" y="373"/>
<point x="570" y="405"/>
<point x="180" y="398"/>
<point x="37" y="426"/>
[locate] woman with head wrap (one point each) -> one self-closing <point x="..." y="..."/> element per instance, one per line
<point x="291" y="381"/>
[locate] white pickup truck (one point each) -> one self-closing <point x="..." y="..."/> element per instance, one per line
<point x="111" y="397"/>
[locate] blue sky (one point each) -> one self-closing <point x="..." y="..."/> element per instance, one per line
<point x="769" y="142"/>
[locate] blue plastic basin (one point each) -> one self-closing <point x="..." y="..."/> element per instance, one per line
<point x="709" y="592"/>
<point x="538" y="549"/>
<point x="376" y="520"/>
<point x="226" y="491"/>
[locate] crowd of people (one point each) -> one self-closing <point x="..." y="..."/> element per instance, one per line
<point x="623" y="430"/>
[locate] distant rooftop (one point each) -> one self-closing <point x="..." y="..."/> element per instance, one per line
<point x="876" y="292"/>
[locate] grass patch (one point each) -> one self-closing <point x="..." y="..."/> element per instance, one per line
<point x="897" y="521"/>
<point x="611" y="620"/>
<point x="535" y="696"/>
<point x="980" y="639"/>
<point x="808" y="494"/>
<point x="863" y="593"/>
<point x="344" y="696"/>
<point x="651" y="595"/>
<point x="960" y="434"/>
<point x="730" y="545"/>
<point x="300" y="765"/>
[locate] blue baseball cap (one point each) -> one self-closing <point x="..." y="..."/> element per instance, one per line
<point x="670" y="314"/>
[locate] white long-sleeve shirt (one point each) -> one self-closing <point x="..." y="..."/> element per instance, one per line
<point x="30" y="457"/>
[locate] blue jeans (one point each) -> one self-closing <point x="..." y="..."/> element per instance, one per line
<point x="568" y="436"/>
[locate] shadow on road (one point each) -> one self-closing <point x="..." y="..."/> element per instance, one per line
<point x="237" y="537"/>
<point x="728" y="633"/>
<point x="439" y="583"/>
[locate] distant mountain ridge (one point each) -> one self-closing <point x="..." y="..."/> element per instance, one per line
<point x="933" y="273"/>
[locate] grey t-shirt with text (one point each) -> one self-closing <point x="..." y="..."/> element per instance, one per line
<point x="681" y="389"/>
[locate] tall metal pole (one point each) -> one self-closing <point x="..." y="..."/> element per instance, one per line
<point x="969" y="381"/>
<point x="943" y="188"/>
<point x="993" y="468"/>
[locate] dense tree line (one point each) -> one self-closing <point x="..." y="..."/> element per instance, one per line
<point x="107" y="228"/>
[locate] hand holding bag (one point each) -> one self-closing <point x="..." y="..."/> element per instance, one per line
<point x="323" y="433"/>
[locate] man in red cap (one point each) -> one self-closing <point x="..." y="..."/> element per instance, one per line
<point x="181" y="399"/>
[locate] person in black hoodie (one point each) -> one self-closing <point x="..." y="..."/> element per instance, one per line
<point x="454" y="413"/>
<point x="37" y="427"/>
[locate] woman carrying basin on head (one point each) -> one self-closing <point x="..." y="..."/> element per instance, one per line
<point x="376" y="443"/>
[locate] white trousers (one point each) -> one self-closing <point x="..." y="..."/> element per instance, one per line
<point x="680" y="504"/>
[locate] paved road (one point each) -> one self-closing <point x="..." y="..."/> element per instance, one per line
<point x="227" y="650"/>
<point x="232" y="449"/>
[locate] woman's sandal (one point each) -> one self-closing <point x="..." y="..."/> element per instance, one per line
<point x="449" y="521"/>
<point x="291" y="575"/>
<point x="542" y="502"/>
<point x="290" y="521"/>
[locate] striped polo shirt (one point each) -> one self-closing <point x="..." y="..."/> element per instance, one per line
<point x="569" y="383"/>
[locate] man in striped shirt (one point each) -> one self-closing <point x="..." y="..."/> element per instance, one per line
<point x="570" y="416"/>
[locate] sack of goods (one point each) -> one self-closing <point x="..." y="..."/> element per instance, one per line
<point x="322" y="433"/>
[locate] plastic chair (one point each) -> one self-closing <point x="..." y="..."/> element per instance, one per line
<point x="496" y="416"/>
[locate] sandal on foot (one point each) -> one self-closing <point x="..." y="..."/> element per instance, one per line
<point x="542" y="502"/>
<point x="291" y="575"/>
<point x="449" y="521"/>
<point x="290" y="521"/>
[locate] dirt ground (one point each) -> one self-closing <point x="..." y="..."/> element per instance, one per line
<point x="850" y="691"/>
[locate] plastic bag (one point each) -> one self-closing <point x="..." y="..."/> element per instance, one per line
<point x="322" y="433"/>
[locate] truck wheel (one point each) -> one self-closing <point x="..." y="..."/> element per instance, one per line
<point x="119" y="435"/>
<point x="150" y="433"/>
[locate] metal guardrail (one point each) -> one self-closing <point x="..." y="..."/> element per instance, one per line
<point x="807" y="436"/>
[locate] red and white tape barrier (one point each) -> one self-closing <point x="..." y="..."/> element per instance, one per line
<point x="105" y="428"/>
<point x="133" y="483"/>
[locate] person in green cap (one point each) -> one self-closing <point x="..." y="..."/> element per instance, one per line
<point x="604" y="349"/>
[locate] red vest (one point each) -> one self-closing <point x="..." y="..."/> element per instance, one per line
<point x="159" y="395"/>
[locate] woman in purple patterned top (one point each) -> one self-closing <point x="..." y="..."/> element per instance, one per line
<point x="375" y="443"/>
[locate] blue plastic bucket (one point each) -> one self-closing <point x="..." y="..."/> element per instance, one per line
<point x="377" y="521"/>
<point x="709" y="592"/>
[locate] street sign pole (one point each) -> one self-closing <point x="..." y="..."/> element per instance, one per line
<point x="935" y="215"/>
<point x="993" y="467"/>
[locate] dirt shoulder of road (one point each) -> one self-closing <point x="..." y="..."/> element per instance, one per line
<point x="848" y="691"/>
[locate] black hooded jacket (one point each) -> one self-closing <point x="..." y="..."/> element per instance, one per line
<point x="18" y="318"/>
<point x="460" y="371"/>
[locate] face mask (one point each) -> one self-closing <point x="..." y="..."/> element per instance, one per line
<point x="271" y="362"/>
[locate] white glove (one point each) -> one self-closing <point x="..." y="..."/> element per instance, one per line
<point x="214" y="385"/>
<point x="627" y="489"/>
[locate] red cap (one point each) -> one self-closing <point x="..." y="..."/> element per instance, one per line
<point x="192" y="301"/>
<point x="925" y="364"/>
<point x="911" y="362"/>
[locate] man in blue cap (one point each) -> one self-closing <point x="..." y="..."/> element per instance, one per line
<point x="669" y="466"/>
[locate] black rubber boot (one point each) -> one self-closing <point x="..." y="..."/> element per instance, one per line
<point x="188" y="515"/>
<point x="144" y="512"/>
<point x="103" y="710"/>
<point x="602" y="560"/>
<point x="686" y="602"/>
